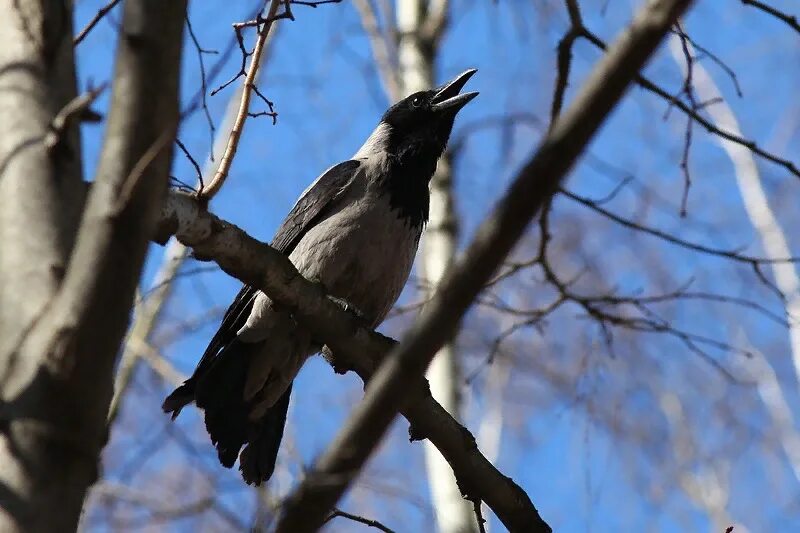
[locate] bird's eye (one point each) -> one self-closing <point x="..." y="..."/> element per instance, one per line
<point x="416" y="101"/>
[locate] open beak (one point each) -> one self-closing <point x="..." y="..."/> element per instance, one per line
<point x="448" y="97"/>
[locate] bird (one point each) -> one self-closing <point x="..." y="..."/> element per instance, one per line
<point x="356" y="230"/>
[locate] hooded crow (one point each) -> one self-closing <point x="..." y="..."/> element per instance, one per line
<point x="356" y="229"/>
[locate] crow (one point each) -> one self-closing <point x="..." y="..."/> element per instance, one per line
<point x="356" y="230"/>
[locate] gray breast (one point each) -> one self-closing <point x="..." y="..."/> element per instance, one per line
<point x="362" y="253"/>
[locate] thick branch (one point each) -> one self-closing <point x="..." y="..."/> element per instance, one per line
<point x="353" y="345"/>
<point x="533" y="187"/>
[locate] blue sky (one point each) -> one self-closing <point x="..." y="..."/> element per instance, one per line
<point x="558" y="443"/>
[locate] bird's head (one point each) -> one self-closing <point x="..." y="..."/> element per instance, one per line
<point x="408" y="142"/>
<point x="422" y="122"/>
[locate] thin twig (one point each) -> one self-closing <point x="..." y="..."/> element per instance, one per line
<point x="360" y="519"/>
<point x="218" y="180"/>
<point x="192" y="160"/>
<point x="77" y="108"/>
<point x="791" y="20"/>
<point x="203" y="84"/>
<point x="564" y="58"/>
<point x="92" y="23"/>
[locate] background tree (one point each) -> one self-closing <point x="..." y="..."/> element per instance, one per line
<point x="630" y="365"/>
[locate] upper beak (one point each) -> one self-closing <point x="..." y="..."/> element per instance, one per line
<point x="448" y="97"/>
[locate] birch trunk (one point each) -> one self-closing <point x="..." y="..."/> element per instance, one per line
<point x="416" y="55"/>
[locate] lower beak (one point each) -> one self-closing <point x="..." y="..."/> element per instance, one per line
<point x="448" y="97"/>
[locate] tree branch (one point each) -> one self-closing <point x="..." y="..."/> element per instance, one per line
<point x="249" y="83"/>
<point x="353" y="345"/>
<point x="533" y="187"/>
<point x="102" y="12"/>
<point x="791" y="20"/>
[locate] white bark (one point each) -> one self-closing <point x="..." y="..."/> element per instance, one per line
<point x="708" y="485"/>
<point x="775" y="245"/>
<point x="453" y="513"/>
<point x="756" y="205"/>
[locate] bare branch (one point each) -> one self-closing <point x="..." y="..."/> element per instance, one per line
<point x="648" y="85"/>
<point x="564" y="60"/>
<point x="360" y="519"/>
<point x="92" y="23"/>
<point x="729" y="254"/>
<point x="218" y="180"/>
<point x="76" y="109"/>
<point x="791" y="20"/>
<point x="532" y="188"/>
<point x="353" y="346"/>
<point x="380" y="49"/>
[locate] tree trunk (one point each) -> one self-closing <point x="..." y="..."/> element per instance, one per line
<point x="416" y="54"/>
<point x="66" y="293"/>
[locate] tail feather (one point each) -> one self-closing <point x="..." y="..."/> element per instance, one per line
<point x="219" y="390"/>
<point x="257" y="460"/>
<point x="219" y="393"/>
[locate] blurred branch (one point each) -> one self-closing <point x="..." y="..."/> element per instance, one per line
<point x="435" y="21"/>
<point x="353" y="345"/>
<point x="791" y="20"/>
<point x="147" y="313"/>
<point x="708" y="486"/>
<point x="533" y="187"/>
<point x="77" y="110"/>
<point x="756" y="204"/>
<point x="769" y="389"/>
<point x="380" y="49"/>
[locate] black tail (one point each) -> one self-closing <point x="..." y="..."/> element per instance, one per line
<point x="217" y="388"/>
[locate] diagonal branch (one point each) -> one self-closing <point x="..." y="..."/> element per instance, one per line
<point x="708" y="125"/>
<point x="380" y="49"/>
<point x="791" y="20"/>
<point x="354" y="346"/>
<point x="533" y="187"/>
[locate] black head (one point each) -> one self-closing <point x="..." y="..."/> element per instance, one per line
<point x="410" y="139"/>
<point x="422" y="122"/>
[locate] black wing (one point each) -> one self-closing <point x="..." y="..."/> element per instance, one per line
<point x="311" y="206"/>
<point x="306" y="212"/>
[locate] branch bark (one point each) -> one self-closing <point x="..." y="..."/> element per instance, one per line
<point x="354" y="346"/>
<point x="55" y="402"/>
<point x="175" y="253"/>
<point x="535" y="185"/>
